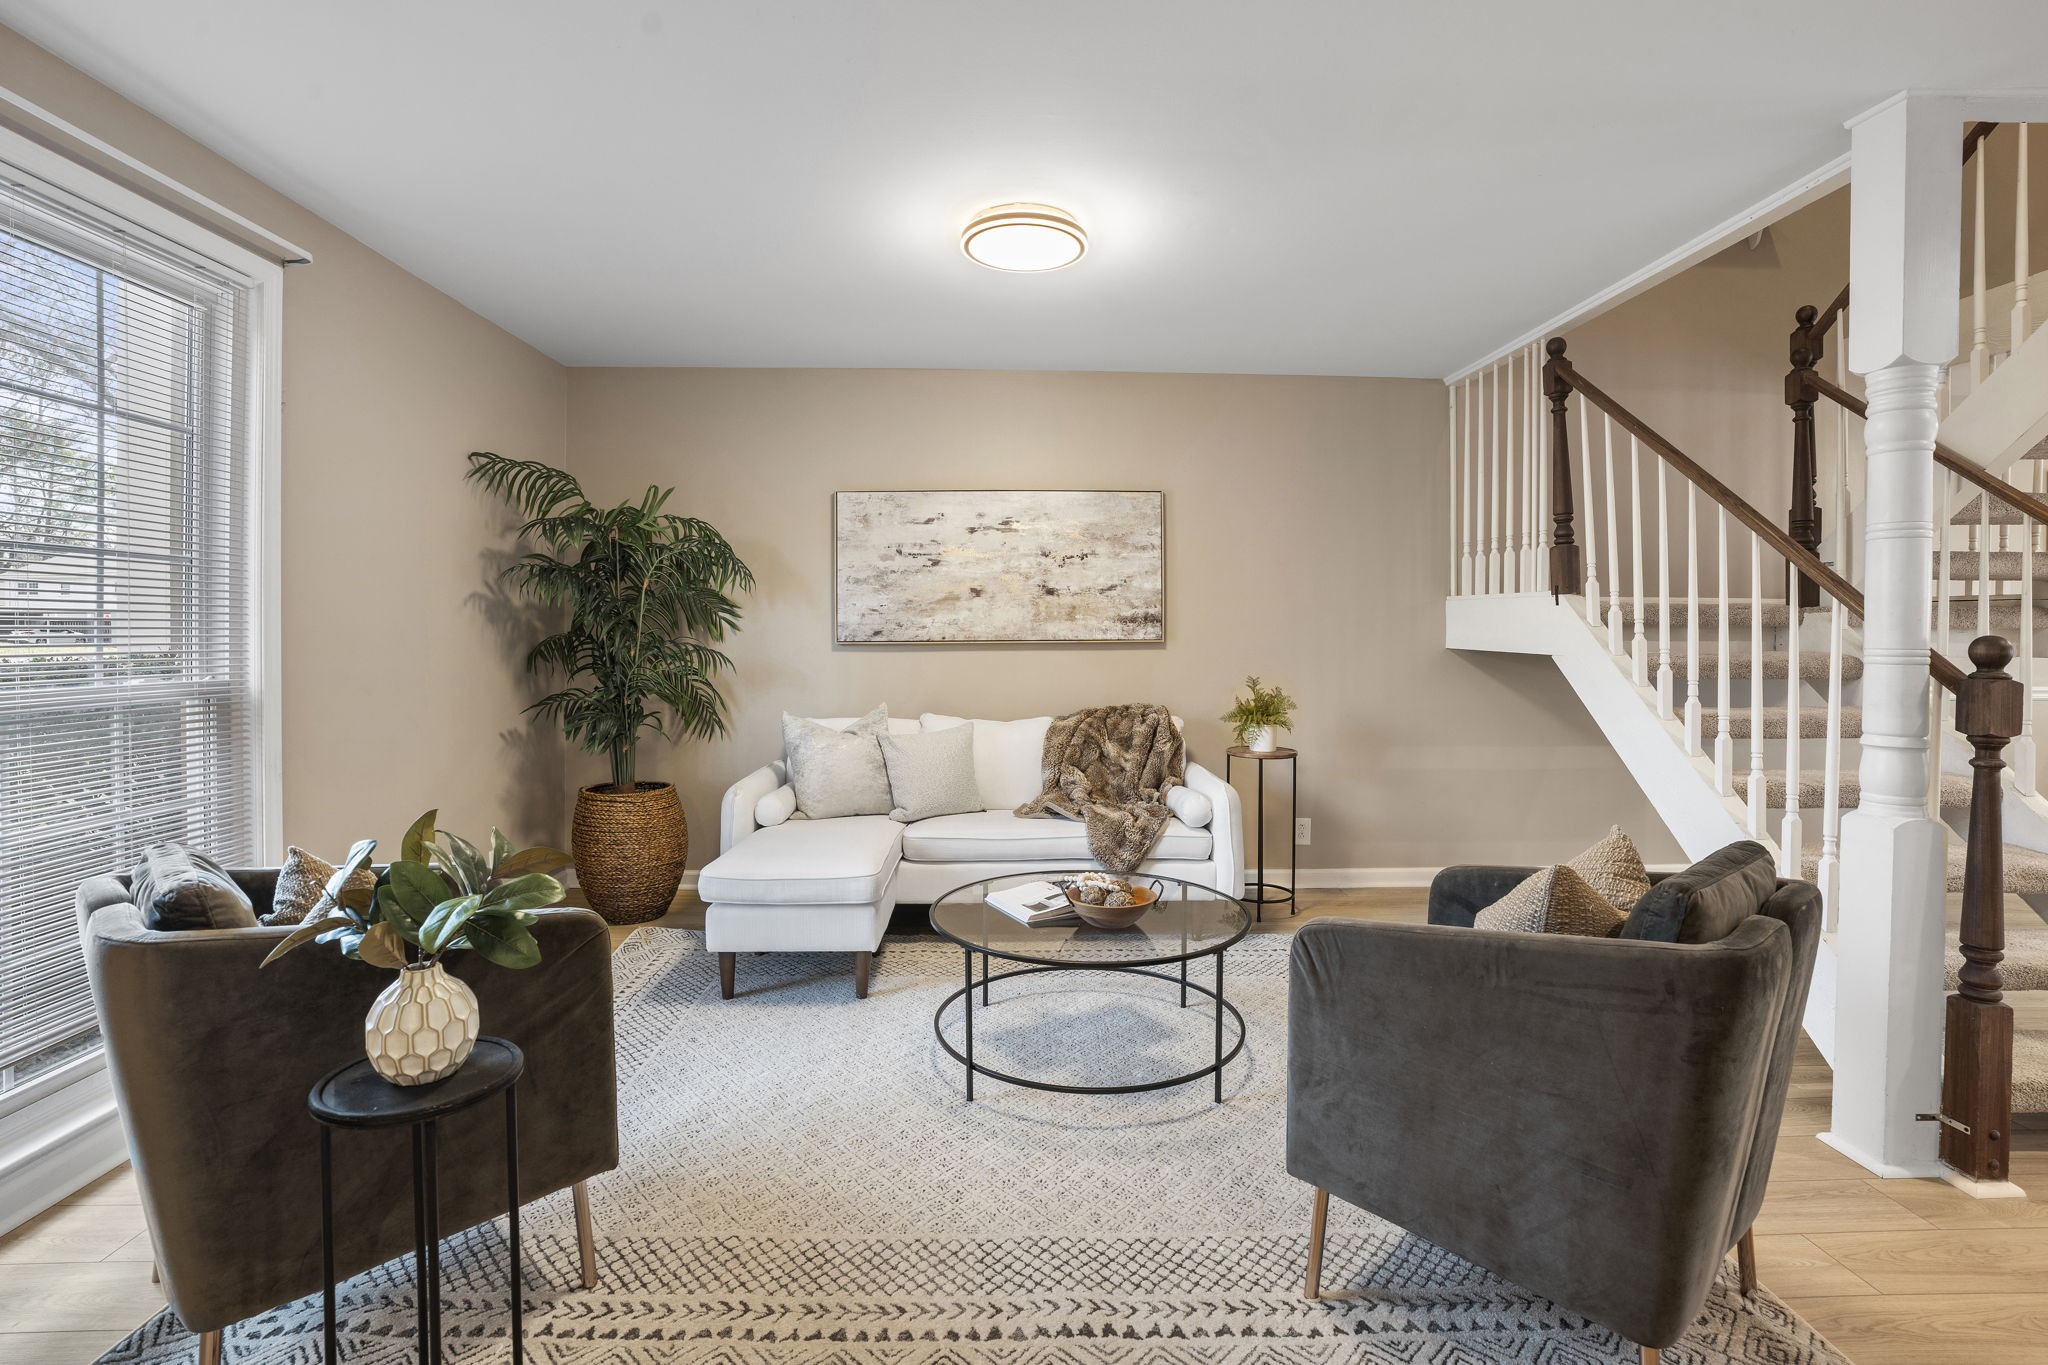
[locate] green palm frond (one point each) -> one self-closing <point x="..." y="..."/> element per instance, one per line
<point x="648" y="592"/>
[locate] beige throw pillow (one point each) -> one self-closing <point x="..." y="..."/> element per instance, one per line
<point x="838" y="772"/>
<point x="1613" y="868"/>
<point x="300" y="883"/>
<point x="1554" y="900"/>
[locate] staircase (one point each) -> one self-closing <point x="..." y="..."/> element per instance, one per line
<point x="1722" y="654"/>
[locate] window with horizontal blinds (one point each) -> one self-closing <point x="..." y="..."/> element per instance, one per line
<point x="128" y="703"/>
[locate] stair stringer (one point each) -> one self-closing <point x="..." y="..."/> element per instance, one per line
<point x="1651" y="746"/>
<point x="2004" y="417"/>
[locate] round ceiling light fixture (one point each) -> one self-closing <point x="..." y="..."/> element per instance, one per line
<point x="1026" y="238"/>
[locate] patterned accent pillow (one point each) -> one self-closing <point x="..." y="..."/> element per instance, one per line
<point x="1613" y="868"/>
<point x="1553" y="900"/>
<point x="838" y="772"/>
<point x="299" y="885"/>
<point x="932" y="773"/>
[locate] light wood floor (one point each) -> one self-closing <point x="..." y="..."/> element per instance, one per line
<point x="1894" y="1272"/>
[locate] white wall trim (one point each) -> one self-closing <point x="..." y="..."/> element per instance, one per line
<point x="1793" y="197"/>
<point x="58" y="1143"/>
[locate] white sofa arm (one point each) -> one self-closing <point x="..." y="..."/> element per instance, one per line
<point x="736" y="812"/>
<point x="1226" y="828"/>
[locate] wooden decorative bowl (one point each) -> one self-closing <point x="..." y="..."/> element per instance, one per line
<point x="1143" y="898"/>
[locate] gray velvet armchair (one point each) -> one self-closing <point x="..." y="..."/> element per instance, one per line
<point x="211" y="1060"/>
<point x="1593" y="1119"/>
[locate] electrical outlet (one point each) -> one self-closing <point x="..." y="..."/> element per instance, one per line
<point x="1301" y="830"/>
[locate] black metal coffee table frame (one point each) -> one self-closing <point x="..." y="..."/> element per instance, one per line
<point x="1042" y="966"/>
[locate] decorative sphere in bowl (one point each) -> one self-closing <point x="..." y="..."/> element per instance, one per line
<point x="1135" y="901"/>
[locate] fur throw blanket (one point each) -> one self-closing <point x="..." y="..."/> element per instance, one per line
<point x="1111" y="767"/>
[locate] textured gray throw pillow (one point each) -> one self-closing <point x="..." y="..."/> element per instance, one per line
<point x="838" y="772"/>
<point x="180" y="888"/>
<point x="932" y="773"/>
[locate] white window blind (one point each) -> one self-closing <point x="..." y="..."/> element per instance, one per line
<point x="128" y="702"/>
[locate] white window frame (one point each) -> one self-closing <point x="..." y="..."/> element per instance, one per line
<point x="60" y="1131"/>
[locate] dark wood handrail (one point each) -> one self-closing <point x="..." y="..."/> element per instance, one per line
<point x="1838" y="587"/>
<point x="2022" y="501"/>
<point x="1971" y="141"/>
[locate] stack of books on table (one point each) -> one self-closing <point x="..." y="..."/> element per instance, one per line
<point x="1032" y="902"/>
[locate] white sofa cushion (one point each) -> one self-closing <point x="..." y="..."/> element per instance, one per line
<point x="847" y="861"/>
<point x="837" y="772"/>
<point x="931" y="773"/>
<point x="991" y="836"/>
<point x="1191" y="807"/>
<point x="1009" y="756"/>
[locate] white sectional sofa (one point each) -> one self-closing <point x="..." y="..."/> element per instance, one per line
<point x="796" y="885"/>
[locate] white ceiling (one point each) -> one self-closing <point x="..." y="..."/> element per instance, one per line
<point x="1354" y="187"/>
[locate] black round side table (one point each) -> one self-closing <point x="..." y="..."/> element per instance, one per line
<point x="1259" y="893"/>
<point x="355" y="1096"/>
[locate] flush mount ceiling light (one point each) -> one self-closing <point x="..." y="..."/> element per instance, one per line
<point x="1023" y="237"/>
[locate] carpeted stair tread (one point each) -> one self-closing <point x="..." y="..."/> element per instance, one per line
<point x="1813" y="721"/>
<point x="2026" y="869"/>
<point x="1813" y="663"/>
<point x="2006" y="566"/>
<point x="2026" y="960"/>
<point x="2002" y="514"/>
<point x="2005" y="615"/>
<point x="1955" y="790"/>
<point x="2030" y="1073"/>
<point x="1776" y="614"/>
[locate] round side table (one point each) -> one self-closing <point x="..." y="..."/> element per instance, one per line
<point x="1260" y="893"/>
<point x="356" y="1097"/>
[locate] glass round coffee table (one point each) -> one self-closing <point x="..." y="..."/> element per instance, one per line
<point x="1190" y="921"/>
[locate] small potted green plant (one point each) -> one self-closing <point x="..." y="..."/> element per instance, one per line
<point x="1254" y="719"/>
<point x="443" y="895"/>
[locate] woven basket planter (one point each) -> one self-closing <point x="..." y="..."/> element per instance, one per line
<point x="630" y="850"/>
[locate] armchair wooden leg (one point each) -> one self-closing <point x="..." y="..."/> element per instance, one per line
<point x="1745" y="1262"/>
<point x="586" y="1234"/>
<point x="209" y="1348"/>
<point x="1652" y="1356"/>
<point x="727" y="964"/>
<point x="1316" y="1219"/>
<point x="863" y="963"/>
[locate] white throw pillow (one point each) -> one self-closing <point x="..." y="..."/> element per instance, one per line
<point x="1190" y="807"/>
<point x="776" y="806"/>
<point x="838" y="772"/>
<point x="931" y="774"/>
<point x="1009" y="757"/>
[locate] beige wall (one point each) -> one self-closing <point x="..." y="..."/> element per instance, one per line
<point x="1305" y="543"/>
<point x="400" y="686"/>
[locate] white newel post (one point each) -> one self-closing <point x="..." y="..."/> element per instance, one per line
<point x="1904" y="260"/>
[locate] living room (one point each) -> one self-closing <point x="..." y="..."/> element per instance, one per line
<point x="343" y="350"/>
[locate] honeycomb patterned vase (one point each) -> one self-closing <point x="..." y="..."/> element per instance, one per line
<point x="422" y="1027"/>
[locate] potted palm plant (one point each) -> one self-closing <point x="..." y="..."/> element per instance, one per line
<point x="648" y="594"/>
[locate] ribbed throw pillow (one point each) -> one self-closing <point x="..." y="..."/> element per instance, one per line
<point x="300" y="883"/>
<point x="1553" y="900"/>
<point x="931" y="773"/>
<point x="1613" y="868"/>
<point x="179" y="888"/>
<point x="838" y="772"/>
<point x="1709" y="900"/>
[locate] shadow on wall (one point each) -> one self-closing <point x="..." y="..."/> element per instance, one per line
<point x="532" y="797"/>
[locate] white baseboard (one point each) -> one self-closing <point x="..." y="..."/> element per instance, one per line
<point x="56" y="1145"/>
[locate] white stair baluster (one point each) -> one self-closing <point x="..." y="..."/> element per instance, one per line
<point x="1944" y="531"/>
<point x="1511" y="475"/>
<point x="1845" y="542"/>
<point x="2022" y="309"/>
<point x="1692" y="618"/>
<point x="1983" y="584"/>
<point x="1829" y="873"/>
<point x="1614" y="642"/>
<point x="1451" y="479"/>
<point x="1590" y="537"/>
<point x="1724" y="742"/>
<point x="1758" y="795"/>
<point x="1539" y="486"/>
<point x="1639" y="644"/>
<point x="1980" y="345"/>
<point x="2023" y="759"/>
<point x="1935" y="731"/>
<point x="1490" y="426"/>
<point x="1665" y="697"/>
<point x="1465" y="558"/>
<point x="1791" y="828"/>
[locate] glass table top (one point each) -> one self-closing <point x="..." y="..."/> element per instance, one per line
<point x="1189" y="920"/>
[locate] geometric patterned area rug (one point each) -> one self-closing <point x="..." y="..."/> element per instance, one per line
<point x="803" y="1183"/>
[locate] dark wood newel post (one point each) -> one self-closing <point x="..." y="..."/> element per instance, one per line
<point x="1802" y="522"/>
<point x="1976" y="1079"/>
<point x="1567" y="571"/>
